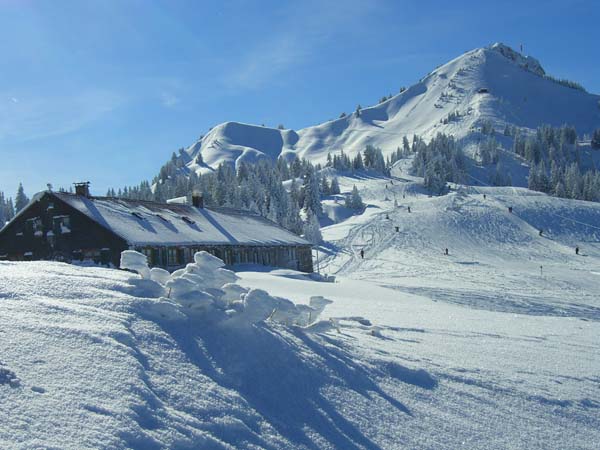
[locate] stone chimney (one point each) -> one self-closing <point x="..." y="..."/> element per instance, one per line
<point x="197" y="199"/>
<point x="82" y="188"/>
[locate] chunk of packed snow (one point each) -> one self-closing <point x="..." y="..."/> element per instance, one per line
<point x="233" y="292"/>
<point x="258" y="306"/>
<point x="136" y="261"/>
<point x="159" y="275"/>
<point x="164" y="308"/>
<point x="208" y="261"/>
<point x="318" y="303"/>
<point x="181" y="286"/>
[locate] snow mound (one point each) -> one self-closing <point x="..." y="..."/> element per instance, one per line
<point x="135" y="261"/>
<point x="205" y="288"/>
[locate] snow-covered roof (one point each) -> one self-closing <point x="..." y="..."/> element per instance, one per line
<point x="149" y="223"/>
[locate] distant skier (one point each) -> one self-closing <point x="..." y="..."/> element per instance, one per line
<point x="392" y="181"/>
<point x="510" y="209"/>
<point x="403" y="195"/>
<point x="541" y="232"/>
<point x="409" y="209"/>
<point x="362" y="254"/>
<point x="387" y="216"/>
<point x="446" y="252"/>
<point x="577" y="250"/>
<point x="484" y="196"/>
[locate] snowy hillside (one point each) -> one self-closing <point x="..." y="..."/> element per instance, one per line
<point x="476" y="349"/>
<point x="493" y="83"/>
<point x="491" y="250"/>
<point x="491" y="346"/>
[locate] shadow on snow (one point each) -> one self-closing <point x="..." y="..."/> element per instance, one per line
<point x="282" y="374"/>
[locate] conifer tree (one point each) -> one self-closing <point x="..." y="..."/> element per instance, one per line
<point x="595" y="143"/>
<point x="335" y="186"/>
<point x="21" y="199"/>
<point x="354" y="200"/>
<point x="311" y="229"/>
<point x="325" y="188"/>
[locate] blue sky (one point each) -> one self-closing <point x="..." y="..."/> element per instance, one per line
<point x="106" y="90"/>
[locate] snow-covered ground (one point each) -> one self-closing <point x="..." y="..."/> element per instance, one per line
<point x="481" y="348"/>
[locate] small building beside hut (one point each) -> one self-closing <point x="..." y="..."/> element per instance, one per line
<point x="69" y="227"/>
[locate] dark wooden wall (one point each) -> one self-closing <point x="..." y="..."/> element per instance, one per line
<point x="87" y="239"/>
<point x="292" y="257"/>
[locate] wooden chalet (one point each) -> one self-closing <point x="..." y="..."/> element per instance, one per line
<point x="68" y="227"/>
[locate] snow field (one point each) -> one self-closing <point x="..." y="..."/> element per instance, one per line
<point x="476" y="349"/>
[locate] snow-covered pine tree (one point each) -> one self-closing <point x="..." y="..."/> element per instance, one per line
<point x="311" y="193"/>
<point x="357" y="162"/>
<point x="573" y="181"/>
<point x="334" y="189"/>
<point x="21" y="200"/>
<point x="354" y="200"/>
<point x="405" y="145"/>
<point x="7" y="211"/>
<point x="559" y="189"/>
<point x="311" y="229"/>
<point x="325" y="188"/>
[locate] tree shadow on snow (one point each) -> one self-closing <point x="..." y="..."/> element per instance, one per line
<point x="281" y="373"/>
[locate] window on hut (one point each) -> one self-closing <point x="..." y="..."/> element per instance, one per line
<point x="61" y="224"/>
<point x="149" y="255"/>
<point x="172" y="257"/>
<point x="38" y="227"/>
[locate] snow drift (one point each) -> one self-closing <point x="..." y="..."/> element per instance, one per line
<point x="87" y="362"/>
<point x="206" y="288"/>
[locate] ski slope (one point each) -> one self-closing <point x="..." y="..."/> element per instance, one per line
<point x="516" y="93"/>
<point x="492" y="346"/>
<point x="497" y="260"/>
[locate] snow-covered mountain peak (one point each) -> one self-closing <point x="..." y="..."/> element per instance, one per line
<point x="493" y="83"/>
<point x="527" y="62"/>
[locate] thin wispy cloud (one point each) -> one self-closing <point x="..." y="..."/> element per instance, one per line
<point x="169" y="100"/>
<point x="34" y="117"/>
<point x="310" y="25"/>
